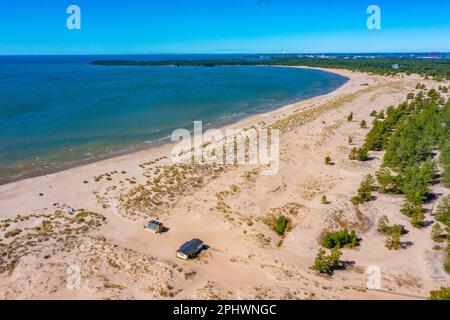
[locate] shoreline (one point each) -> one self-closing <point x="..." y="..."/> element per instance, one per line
<point x="160" y="143"/>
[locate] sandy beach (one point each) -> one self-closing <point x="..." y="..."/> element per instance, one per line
<point x="226" y="207"/>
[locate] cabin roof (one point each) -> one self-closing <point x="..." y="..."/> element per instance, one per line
<point x="154" y="222"/>
<point x="190" y="246"/>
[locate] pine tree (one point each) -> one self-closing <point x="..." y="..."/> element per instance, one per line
<point x="364" y="193"/>
<point x="327" y="264"/>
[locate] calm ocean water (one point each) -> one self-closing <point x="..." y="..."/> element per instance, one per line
<point x="57" y="112"/>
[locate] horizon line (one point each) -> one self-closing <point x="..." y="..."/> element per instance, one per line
<point x="227" y="53"/>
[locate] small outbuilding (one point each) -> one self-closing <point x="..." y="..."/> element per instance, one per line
<point x="154" y="226"/>
<point x="190" y="249"/>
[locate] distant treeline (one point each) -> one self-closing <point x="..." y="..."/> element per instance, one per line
<point x="436" y="68"/>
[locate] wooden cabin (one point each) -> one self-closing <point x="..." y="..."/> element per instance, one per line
<point x="154" y="226"/>
<point x="190" y="249"/>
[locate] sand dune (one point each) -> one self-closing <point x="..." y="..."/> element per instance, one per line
<point x="229" y="208"/>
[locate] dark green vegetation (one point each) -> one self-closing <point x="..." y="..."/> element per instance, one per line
<point x="327" y="264"/>
<point x="281" y="225"/>
<point x="442" y="294"/>
<point x="443" y="216"/>
<point x="437" y="68"/>
<point x="384" y="227"/>
<point x="443" y="211"/>
<point x="340" y="239"/>
<point x="364" y="191"/>
<point x="437" y="233"/>
<point x="447" y="264"/>
<point x="360" y="154"/>
<point x="412" y="135"/>
<point x="388" y="181"/>
<point x="394" y="233"/>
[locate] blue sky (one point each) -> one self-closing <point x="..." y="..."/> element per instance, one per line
<point x="226" y="26"/>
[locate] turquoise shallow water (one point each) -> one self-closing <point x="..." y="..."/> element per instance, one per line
<point x="57" y="112"/>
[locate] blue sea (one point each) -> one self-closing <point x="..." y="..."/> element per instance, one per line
<point x="59" y="111"/>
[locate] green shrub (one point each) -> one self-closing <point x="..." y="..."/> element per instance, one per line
<point x="364" y="193"/>
<point x="328" y="264"/>
<point x="443" y="211"/>
<point x="421" y="86"/>
<point x="340" y="239"/>
<point x="350" y="117"/>
<point x="418" y="220"/>
<point x="413" y="208"/>
<point x="393" y="242"/>
<point x="395" y="232"/>
<point x="281" y="225"/>
<point x="388" y="181"/>
<point x="383" y="224"/>
<point x="353" y="154"/>
<point x="437" y="233"/>
<point x="360" y="154"/>
<point x="447" y="266"/>
<point x="363" y="124"/>
<point x="384" y="227"/>
<point x="328" y="161"/>
<point x="433" y="94"/>
<point x="446" y="175"/>
<point x="396" y="229"/>
<point x="442" y="294"/>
